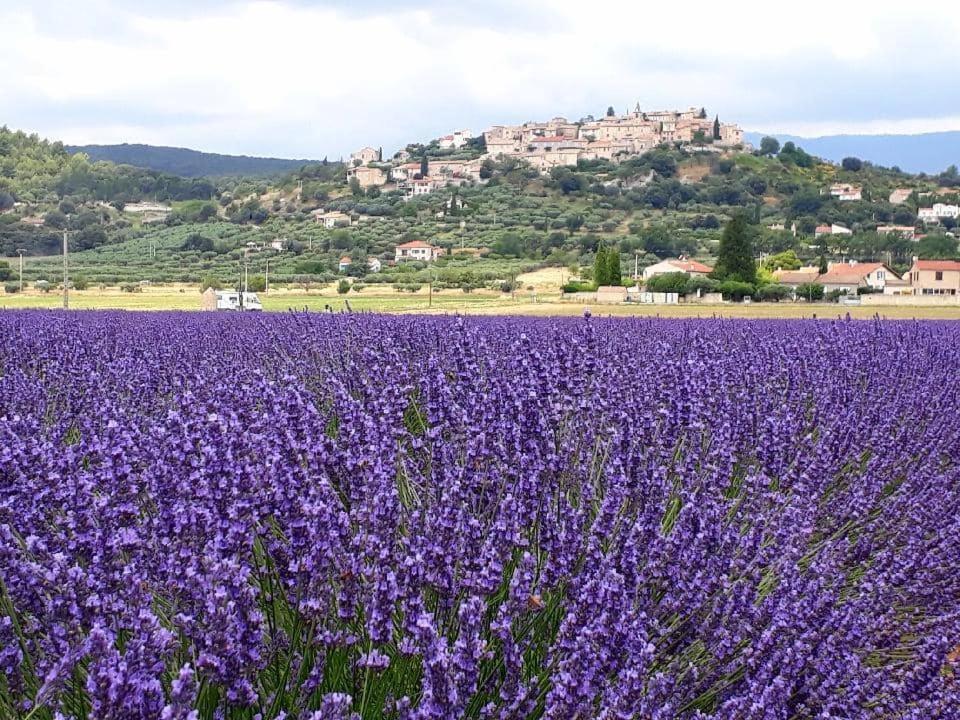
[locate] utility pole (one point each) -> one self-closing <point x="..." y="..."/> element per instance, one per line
<point x="636" y="265"/>
<point x="20" y="252"/>
<point x="66" y="275"/>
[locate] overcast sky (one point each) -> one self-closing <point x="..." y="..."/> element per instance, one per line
<point x="308" y="79"/>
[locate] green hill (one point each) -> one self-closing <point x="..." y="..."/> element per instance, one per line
<point x="188" y="163"/>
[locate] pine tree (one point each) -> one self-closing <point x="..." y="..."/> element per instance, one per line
<point x="735" y="256"/>
<point x="600" y="267"/>
<point x="716" y="128"/>
<point x="613" y="267"/>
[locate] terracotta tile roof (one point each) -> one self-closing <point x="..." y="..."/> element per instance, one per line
<point x="951" y="265"/>
<point x="414" y="244"/>
<point x="795" y="277"/>
<point x="849" y="274"/>
<point x="691" y="266"/>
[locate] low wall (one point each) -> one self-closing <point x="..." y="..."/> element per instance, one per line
<point x="907" y="300"/>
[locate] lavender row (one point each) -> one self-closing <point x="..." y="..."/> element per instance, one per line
<point x="303" y="516"/>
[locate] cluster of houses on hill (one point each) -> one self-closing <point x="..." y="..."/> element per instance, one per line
<point x="559" y="142"/>
<point x="545" y="145"/>
<point x="412" y="250"/>
<point x="925" y="277"/>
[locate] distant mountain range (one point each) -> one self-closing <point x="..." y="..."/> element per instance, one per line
<point x="927" y="152"/>
<point x="189" y="163"/>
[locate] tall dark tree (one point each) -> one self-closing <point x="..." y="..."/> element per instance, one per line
<point x="716" y="128"/>
<point x="735" y="257"/>
<point x="823" y="267"/>
<point x="424" y="166"/>
<point x="600" y="267"/>
<point x="614" y="272"/>
<point x="611" y="112"/>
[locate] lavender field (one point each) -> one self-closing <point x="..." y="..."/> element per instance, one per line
<point x="318" y="516"/>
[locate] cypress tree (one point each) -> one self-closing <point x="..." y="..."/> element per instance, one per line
<point x="735" y="257"/>
<point x="600" y="267"/>
<point x="424" y="166"/>
<point x="823" y="264"/>
<point x="716" y="128"/>
<point x="613" y="267"/>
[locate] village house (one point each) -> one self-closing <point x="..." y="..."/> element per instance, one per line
<point x="420" y="186"/>
<point x="691" y="267"/>
<point x="277" y="244"/>
<point x="365" y="156"/>
<point x="938" y="212"/>
<point x="935" y="277"/>
<point x="367" y="176"/>
<point x="344" y="263"/>
<point x="404" y="172"/>
<point x="847" y="277"/>
<point x="417" y="250"/>
<point x="331" y="219"/>
<point x="455" y="141"/>
<point x="908" y="232"/>
<point x="900" y="196"/>
<point x="795" y="278"/>
<point x="845" y="192"/>
<point x="374" y="264"/>
<point x="833" y="229"/>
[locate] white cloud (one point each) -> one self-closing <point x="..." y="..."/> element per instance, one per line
<point x="314" y="79"/>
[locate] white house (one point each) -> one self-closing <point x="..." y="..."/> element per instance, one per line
<point x="853" y="275"/>
<point x="908" y="232"/>
<point x="344" y="263"/>
<point x="455" y="141"/>
<point x="418" y="187"/>
<point x="833" y="229"/>
<point x="417" y="250"/>
<point x="938" y="212"/>
<point x="691" y="267"/>
<point x="331" y="219"/>
<point x="374" y="264"/>
<point x="845" y="192"/>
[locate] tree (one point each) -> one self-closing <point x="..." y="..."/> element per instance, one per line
<point x="769" y="146"/>
<point x="343" y="287"/>
<point x="735" y="256"/>
<point x="424" y="166"/>
<point x="614" y="272"/>
<point x="716" y="128"/>
<point x="786" y="260"/>
<point x="852" y="164"/>
<point x="936" y="247"/>
<point x="5" y="272"/>
<point x="673" y="282"/>
<point x="600" y="267"/>
<point x="810" y="291"/>
<point x="822" y="267"/>
<point x="611" y="112"/>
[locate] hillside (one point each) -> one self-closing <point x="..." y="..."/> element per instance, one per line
<point x="188" y="163"/>
<point x="923" y="153"/>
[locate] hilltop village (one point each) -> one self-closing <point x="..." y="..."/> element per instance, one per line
<point x="543" y="146"/>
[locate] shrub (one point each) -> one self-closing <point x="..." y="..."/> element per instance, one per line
<point x="774" y="292"/>
<point x="736" y="290"/>
<point x="343" y="287"/>
<point x="42" y="286"/>
<point x="810" y="291"/>
<point x="11" y="288"/>
<point x="210" y="281"/>
<point x="80" y="283"/>
<point x="674" y="282"/>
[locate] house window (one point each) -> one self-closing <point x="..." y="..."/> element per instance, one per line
<point x="939" y="275"/>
